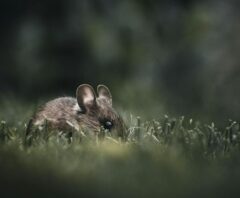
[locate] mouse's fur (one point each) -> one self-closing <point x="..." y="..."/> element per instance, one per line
<point x="85" y="112"/>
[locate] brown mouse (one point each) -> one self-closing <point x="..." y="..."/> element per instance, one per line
<point x="88" y="111"/>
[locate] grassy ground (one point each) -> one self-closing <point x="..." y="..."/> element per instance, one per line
<point x="165" y="157"/>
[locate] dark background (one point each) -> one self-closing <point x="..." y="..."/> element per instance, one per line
<point x="179" y="57"/>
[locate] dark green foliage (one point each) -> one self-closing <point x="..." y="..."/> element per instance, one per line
<point x="183" y="53"/>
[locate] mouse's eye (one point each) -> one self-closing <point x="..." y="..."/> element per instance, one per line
<point x="107" y="125"/>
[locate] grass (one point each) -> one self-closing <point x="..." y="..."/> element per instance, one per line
<point x="164" y="157"/>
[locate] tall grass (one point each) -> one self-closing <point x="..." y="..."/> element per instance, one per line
<point x="165" y="157"/>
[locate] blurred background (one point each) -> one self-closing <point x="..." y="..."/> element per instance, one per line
<point x="177" y="57"/>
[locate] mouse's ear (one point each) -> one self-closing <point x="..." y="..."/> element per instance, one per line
<point x="103" y="92"/>
<point x="86" y="97"/>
